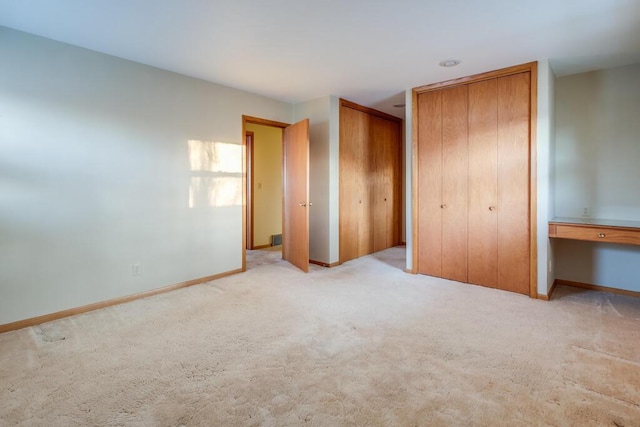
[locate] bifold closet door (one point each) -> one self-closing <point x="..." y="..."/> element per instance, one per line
<point x="430" y="183"/>
<point x="442" y="183"/>
<point x="514" y="114"/>
<point x="354" y="224"/>
<point x="384" y="179"/>
<point x="483" y="183"/>
<point x="455" y="161"/>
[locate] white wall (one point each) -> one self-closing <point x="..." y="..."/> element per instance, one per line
<point x="408" y="176"/>
<point x="334" y="178"/>
<point x="597" y="157"/>
<point x="544" y="144"/>
<point x="97" y="173"/>
<point x="323" y="176"/>
<point x="317" y="111"/>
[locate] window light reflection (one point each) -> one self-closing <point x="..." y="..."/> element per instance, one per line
<point x="216" y="169"/>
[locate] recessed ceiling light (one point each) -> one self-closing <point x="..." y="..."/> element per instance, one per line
<point x="449" y="63"/>
<point x="399" y="105"/>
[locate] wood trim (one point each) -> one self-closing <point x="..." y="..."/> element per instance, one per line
<point x="250" y="195"/>
<point x="33" y="321"/>
<point x="549" y="294"/>
<point x="244" y="194"/>
<point x="261" y="247"/>
<point x="414" y="181"/>
<point x="265" y="122"/>
<point x="591" y="287"/>
<point x="371" y="111"/>
<point x="324" y="264"/>
<point x="530" y="66"/>
<point x="533" y="171"/>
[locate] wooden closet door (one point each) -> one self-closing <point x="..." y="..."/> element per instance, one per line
<point x="455" y="164"/>
<point x="385" y="178"/>
<point x="354" y="131"/>
<point x="394" y="205"/>
<point x="513" y="182"/>
<point x="378" y="174"/>
<point x="483" y="183"/>
<point x="429" y="191"/>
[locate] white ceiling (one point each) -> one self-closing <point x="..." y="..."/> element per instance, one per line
<point x="367" y="51"/>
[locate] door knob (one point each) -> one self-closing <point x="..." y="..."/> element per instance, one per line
<point x="601" y="235"/>
<point x="492" y="208"/>
<point x="310" y="204"/>
<point x="303" y="204"/>
<point x="443" y="206"/>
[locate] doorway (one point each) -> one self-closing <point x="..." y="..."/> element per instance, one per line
<point x="276" y="188"/>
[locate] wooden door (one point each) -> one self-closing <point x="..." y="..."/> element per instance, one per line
<point x="386" y="169"/>
<point x="429" y="191"/>
<point x="295" y="218"/>
<point x="394" y="205"/>
<point x="381" y="182"/>
<point x="455" y="159"/>
<point x="483" y="183"/>
<point x="353" y="199"/>
<point x="513" y="182"/>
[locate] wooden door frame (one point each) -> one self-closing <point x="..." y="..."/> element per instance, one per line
<point x="249" y="140"/>
<point x="532" y="68"/>
<point x="245" y="162"/>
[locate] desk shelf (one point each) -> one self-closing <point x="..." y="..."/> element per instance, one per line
<point x="596" y="230"/>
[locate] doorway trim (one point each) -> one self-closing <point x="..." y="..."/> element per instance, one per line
<point x="247" y="196"/>
<point x="249" y="138"/>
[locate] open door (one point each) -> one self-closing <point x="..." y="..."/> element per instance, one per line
<point x="295" y="212"/>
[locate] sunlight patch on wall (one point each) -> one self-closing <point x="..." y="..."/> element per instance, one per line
<point x="216" y="169"/>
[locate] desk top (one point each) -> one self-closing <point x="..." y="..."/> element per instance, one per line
<point x="596" y="222"/>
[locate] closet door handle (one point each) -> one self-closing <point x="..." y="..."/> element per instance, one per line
<point x="492" y="208"/>
<point x="443" y="206"/>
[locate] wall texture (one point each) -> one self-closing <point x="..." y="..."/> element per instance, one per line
<point x="267" y="183"/>
<point x="597" y="154"/>
<point x="106" y="164"/>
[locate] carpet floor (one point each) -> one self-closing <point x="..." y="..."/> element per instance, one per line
<point x="360" y="344"/>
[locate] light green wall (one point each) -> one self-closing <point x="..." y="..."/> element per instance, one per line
<point x="267" y="183"/>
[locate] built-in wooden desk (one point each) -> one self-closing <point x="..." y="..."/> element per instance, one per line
<point x="596" y="230"/>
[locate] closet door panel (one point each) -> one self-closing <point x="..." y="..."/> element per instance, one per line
<point x="429" y="190"/>
<point x="455" y="161"/>
<point x="353" y="133"/>
<point x="364" y="182"/>
<point x="394" y="204"/>
<point x="381" y="175"/>
<point x="483" y="183"/>
<point x="513" y="182"/>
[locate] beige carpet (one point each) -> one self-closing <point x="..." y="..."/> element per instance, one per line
<point x="360" y="344"/>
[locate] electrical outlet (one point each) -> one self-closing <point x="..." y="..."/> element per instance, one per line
<point x="136" y="269"/>
<point x="586" y="212"/>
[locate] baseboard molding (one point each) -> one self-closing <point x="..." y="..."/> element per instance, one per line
<point x="33" y="321"/>
<point x="549" y="294"/>
<point x="324" y="264"/>
<point x="597" y="288"/>
<point x="261" y="247"/>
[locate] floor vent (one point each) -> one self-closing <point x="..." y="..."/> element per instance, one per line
<point x="276" y="240"/>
